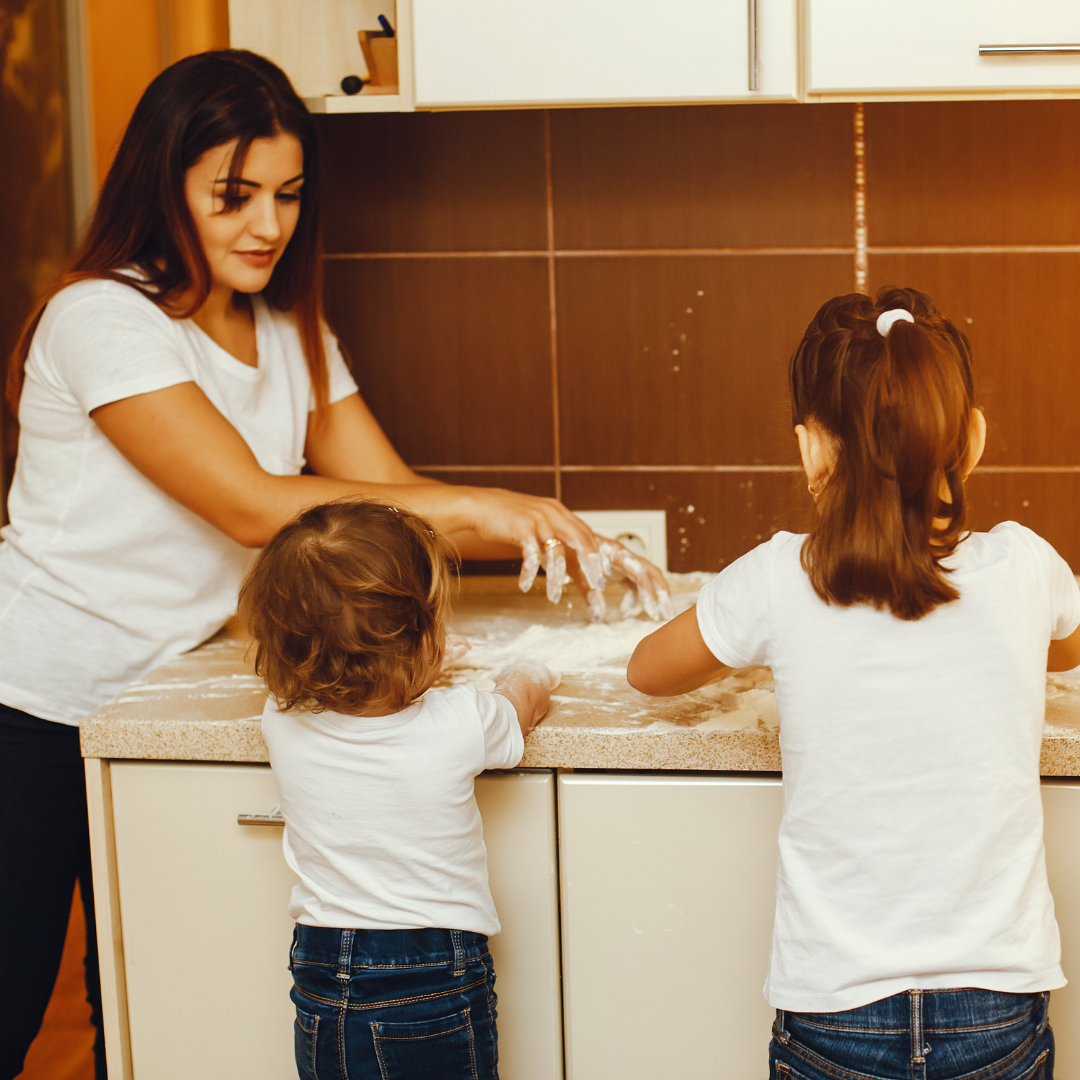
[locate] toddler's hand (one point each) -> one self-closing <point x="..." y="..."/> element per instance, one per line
<point x="455" y="648"/>
<point x="528" y="685"/>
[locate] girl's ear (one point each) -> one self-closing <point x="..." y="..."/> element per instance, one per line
<point x="818" y="453"/>
<point x="976" y="441"/>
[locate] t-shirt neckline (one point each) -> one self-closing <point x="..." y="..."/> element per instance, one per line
<point x="225" y="358"/>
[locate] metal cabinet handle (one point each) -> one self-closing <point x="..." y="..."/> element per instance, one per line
<point x="755" y="82"/>
<point x="1026" y="50"/>
<point x="273" y="818"/>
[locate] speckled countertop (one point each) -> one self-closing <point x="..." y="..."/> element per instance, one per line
<point x="205" y="706"/>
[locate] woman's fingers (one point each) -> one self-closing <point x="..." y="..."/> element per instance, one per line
<point x="646" y="579"/>
<point x="555" y="568"/>
<point x="530" y="562"/>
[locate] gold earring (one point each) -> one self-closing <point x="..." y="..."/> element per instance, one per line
<point x="810" y="488"/>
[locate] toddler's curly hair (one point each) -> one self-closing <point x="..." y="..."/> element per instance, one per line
<point x="347" y="605"/>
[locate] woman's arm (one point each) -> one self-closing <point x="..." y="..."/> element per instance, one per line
<point x="673" y="660"/>
<point x="182" y="443"/>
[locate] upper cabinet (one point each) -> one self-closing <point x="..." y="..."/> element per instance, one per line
<point x="928" y="48"/>
<point x="582" y="52"/>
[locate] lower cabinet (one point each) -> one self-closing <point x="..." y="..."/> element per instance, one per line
<point x="205" y="933"/>
<point x="665" y="885"/>
<point x="667" y="909"/>
<point x="667" y="889"/>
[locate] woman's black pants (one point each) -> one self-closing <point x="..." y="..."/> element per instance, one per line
<point x="44" y="850"/>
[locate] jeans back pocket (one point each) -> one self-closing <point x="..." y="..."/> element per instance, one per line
<point x="439" y="1049"/>
<point x="305" y="1041"/>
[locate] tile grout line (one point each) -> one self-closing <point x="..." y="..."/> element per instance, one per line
<point x="549" y="198"/>
<point x="861" y="259"/>
<point x="645" y="253"/>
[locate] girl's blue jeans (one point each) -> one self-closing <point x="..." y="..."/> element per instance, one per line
<point x="394" y="1004"/>
<point x="919" y="1035"/>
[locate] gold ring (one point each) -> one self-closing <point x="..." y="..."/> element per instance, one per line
<point x="552" y="543"/>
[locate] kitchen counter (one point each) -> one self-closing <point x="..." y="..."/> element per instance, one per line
<point x="206" y="705"/>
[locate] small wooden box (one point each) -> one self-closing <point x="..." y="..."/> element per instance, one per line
<point x="380" y="55"/>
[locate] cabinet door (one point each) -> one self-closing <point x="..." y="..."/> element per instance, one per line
<point x="206" y="932"/>
<point x="925" y="46"/>
<point x="524" y="52"/>
<point x="1061" y="805"/>
<point x="668" y="888"/>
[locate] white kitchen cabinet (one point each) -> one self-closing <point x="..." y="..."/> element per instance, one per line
<point x="925" y="47"/>
<point x="1061" y="805"/>
<point x="204" y="934"/>
<point x="667" y="907"/>
<point x="562" y="52"/>
<point x="315" y="43"/>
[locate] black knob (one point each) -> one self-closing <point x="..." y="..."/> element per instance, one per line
<point x="352" y="84"/>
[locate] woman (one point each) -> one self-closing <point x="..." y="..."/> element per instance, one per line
<point x="170" y="387"/>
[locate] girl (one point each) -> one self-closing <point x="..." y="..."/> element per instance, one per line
<point x="914" y="933"/>
<point x="389" y="958"/>
<point x="171" y="387"/>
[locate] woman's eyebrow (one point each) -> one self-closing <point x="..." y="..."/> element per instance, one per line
<point x="256" y="184"/>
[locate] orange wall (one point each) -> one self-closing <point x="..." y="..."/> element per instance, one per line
<point x="129" y="41"/>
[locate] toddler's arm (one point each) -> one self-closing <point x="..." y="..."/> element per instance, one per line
<point x="528" y="686"/>
<point x="673" y="660"/>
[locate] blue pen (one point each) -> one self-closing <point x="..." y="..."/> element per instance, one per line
<point x="384" y="22"/>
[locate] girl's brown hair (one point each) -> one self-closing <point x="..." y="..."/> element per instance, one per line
<point x="898" y="410"/>
<point x="347" y="605"/>
<point x="142" y="221"/>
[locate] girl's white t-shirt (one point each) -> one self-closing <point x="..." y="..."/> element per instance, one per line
<point x="102" y="575"/>
<point x="381" y="821"/>
<point x="911" y="844"/>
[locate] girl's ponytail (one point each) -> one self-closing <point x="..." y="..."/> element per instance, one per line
<point x="897" y="406"/>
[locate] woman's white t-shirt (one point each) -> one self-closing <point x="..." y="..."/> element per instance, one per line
<point x="911" y="845"/>
<point x="381" y="822"/>
<point x="102" y="575"/>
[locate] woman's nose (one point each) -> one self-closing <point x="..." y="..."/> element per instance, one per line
<point x="265" y="224"/>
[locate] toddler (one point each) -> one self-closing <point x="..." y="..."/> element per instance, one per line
<point x="392" y="975"/>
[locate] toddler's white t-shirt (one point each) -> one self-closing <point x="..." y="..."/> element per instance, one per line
<point x="911" y="845"/>
<point x="381" y="822"/>
<point x="102" y="575"/>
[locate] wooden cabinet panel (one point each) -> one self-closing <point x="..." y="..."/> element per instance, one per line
<point x="921" y="46"/>
<point x="507" y="52"/>
<point x="206" y="932"/>
<point x="668" y="889"/>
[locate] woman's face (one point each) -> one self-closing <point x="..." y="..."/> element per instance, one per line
<point x="243" y="245"/>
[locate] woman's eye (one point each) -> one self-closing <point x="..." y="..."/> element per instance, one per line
<point x="288" y="196"/>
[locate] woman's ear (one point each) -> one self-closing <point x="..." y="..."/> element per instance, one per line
<point x="818" y="452"/>
<point x="976" y="441"/>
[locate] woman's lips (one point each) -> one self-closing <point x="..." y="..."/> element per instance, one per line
<point x="256" y="258"/>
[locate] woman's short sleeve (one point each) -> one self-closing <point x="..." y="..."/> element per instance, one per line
<point x="342" y="384"/>
<point x="101" y="341"/>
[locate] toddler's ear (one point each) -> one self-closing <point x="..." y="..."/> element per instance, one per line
<point x="818" y="452"/>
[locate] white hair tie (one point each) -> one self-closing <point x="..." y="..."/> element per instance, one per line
<point x="886" y="319"/>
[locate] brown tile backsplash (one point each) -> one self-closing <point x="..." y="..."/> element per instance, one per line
<point x="702" y="176"/>
<point x="660" y="357"/>
<point x="665" y="357"/>
<point x="463" y="181"/>
<point x="1017" y="310"/>
<point x="973" y="172"/>
<point x="1045" y="502"/>
<point x="712" y="518"/>
<point x="452" y="355"/>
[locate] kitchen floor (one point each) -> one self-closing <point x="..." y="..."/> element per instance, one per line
<point x="63" y="1049"/>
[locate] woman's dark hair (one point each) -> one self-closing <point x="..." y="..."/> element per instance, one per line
<point x="347" y="604"/>
<point x="142" y="218"/>
<point x="898" y="411"/>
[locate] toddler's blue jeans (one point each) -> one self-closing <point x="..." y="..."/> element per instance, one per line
<point x="394" y="1004"/>
<point x="919" y="1035"/>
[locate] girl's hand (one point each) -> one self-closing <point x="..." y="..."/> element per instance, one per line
<point x="528" y="685"/>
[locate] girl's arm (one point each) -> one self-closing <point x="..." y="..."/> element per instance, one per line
<point x="1064" y="655"/>
<point x="673" y="660"/>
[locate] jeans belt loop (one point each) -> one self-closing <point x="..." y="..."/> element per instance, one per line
<point x="344" y="972"/>
<point x="459" y="952"/>
<point x="781" y="1030"/>
<point x="1044" y="1003"/>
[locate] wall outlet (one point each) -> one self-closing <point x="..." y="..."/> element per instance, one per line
<point x="643" y="531"/>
